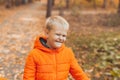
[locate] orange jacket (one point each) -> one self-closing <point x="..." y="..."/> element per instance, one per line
<point x="46" y="64"/>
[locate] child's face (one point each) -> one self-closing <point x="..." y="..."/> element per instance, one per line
<point x="56" y="37"/>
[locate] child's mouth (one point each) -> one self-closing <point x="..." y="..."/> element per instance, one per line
<point x="59" y="42"/>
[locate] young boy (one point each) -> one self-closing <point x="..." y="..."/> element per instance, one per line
<point x="51" y="59"/>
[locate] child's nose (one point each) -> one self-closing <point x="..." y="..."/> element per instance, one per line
<point x="61" y="38"/>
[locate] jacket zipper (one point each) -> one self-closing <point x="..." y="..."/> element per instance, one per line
<point x="55" y="66"/>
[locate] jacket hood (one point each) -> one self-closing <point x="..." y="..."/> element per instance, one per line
<point x="40" y="46"/>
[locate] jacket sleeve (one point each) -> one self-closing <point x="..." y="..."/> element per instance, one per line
<point x="30" y="68"/>
<point x="75" y="70"/>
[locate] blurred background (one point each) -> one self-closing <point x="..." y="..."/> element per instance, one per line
<point x="94" y="34"/>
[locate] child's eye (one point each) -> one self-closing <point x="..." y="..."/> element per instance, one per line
<point x="58" y="34"/>
<point x="64" y="35"/>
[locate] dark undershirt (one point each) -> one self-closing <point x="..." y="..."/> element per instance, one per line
<point x="43" y="41"/>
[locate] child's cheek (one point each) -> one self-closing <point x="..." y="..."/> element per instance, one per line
<point x="56" y="37"/>
<point x="64" y="39"/>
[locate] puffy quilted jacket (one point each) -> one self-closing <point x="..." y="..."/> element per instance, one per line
<point x="51" y="64"/>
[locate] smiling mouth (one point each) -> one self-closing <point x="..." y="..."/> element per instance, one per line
<point x="59" y="42"/>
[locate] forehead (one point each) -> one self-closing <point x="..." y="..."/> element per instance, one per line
<point x="61" y="28"/>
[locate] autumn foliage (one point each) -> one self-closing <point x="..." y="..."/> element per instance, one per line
<point x="94" y="35"/>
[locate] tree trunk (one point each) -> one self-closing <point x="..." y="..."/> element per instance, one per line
<point x="8" y="3"/>
<point x="17" y="3"/>
<point x="105" y="4"/>
<point x="67" y="3"/>
<point x="53" y="2"/>
<point x="119" y="7"/>
<point x="61" y="13"/>
<point x="12" y="2"/>
<point x="112" y="3"/>
<point x="23" y="1"/>
<point x="94" y="4"/>
<point x="49" y="8"/>
<point x="89" y="0"/>
<point x="30" y="1"/>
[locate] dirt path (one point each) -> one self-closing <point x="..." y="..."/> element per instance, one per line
<point x="17" y="32"/>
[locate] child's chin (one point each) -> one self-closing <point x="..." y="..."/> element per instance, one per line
<point x="58" y="46"/>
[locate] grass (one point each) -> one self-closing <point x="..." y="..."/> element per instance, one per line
<point x="99" y="54"/>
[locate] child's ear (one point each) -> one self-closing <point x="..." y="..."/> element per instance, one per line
<point x="46" y="32"/>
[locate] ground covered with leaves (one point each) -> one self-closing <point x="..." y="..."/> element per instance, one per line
<point x="18" y="28"/>
<point x="94" y="37"/>
<point x="95" y="40"/>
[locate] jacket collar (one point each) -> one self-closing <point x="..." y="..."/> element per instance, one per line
<point x="40" y="46"/>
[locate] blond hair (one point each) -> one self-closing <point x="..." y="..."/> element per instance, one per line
<point x="56" y="21"/>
